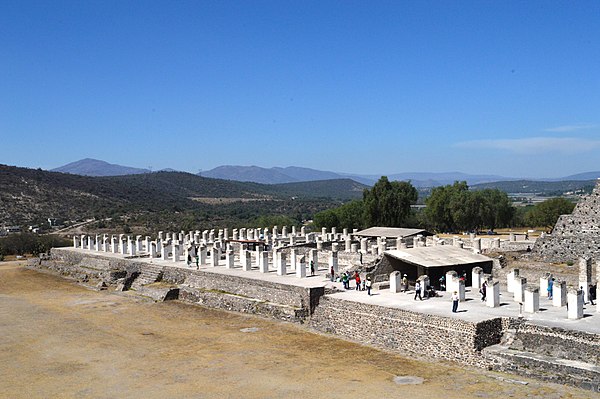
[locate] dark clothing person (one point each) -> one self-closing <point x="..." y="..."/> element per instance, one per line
<point x="312" y="268"/>
<point x="483" y="291"/>
<point x="418" y="291"/>
<point x="592" y="294"/>
<point x="332" y="274"/>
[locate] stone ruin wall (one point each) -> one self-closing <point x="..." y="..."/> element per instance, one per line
<point x="575" y="235"/>
<point x="407" y="333"/>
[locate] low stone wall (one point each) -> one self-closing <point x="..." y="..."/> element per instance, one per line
<point x="406" y="332"/>
<point x="558" y="343"/>
<point x="96" y="267"/>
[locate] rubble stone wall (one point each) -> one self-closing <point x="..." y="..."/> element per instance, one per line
<point x="406" y="332"/>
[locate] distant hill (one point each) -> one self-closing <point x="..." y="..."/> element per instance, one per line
<point x="31" y="196"/>
<point x="429" y="179"/>
<point x="248" y="174"/>
<point x="543" y="188"/>
<point x="96" y="167"/>
<point x="583" y="176"/>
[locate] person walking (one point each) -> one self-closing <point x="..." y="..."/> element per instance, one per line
<point x="418" y="291"/>
<point x="312" y="268"/>
<point x="332" y="272"/>
<point x="592" y="294"/>
<point x="357" y="278"/>
<point x="368" y="284"/>
<point x="404" y="283"/>
<point x="455" y="299"/>
<point x="550" y="285"/>
<point x="346" y="280"/>
<point x="483" y="291"/>
<point x="197" y="262"/>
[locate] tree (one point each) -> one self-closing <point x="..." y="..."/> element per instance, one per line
<point x="454" y="208"/>
<point x="546" y="214"/>
<point x="388" y="203"/>
<point x="327" y="218"/>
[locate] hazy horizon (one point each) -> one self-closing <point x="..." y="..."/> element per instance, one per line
<point x="506" y="88"/>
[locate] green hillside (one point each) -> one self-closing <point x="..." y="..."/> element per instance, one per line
<point x="30" y="196"/>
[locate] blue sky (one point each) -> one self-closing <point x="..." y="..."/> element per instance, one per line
<point x="508" y="88"/>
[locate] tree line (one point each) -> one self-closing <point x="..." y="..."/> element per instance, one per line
<point x="450" y="208"/>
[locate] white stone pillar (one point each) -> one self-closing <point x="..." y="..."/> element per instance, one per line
<point x="510" y="280"/>
<point x="477" y="245"/>
<point x="395" y="282"/>
<point x="492" y="299"/>
<point x="544" y="281"/>
<point x="348" y="244"/>
<point x="152" y="250"/>
<point x="114" y="245"/>
<point x="532" y="300"/>
<point x="246" y="260"/>
<point x="333" y="261"/>
<point x="165" y="251"/>
<point x="314" y="257"/>
<point x="301" y="268"/>
<point x="319" y="244"/>
<point x="75" y="242"/>
<point x="585" y="276"/>
<point x="264" y="262"/>
<point x="452" y="281"/>
<point x="203" y="255"/>
<point x="147" y="243"/>
<point x="363" y="245"/>
<point x="519" y="289"/>
<point x="132" y="246"/>
<point x="175" y="251"/>
<point x="105" y="243"/>
<point x="559" y="293"/>
<point x="575" y="301"/>
<point x="281" y="264"/>
<point x="354" y="247"/>
<point x="476" y="278"/>
<point x="229" y="258"/>
<point x="293" y="258"/>
<point x="216" y="256"/>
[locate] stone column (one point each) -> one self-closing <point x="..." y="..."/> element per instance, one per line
<point x="105" y="243"/>
<point x="122" y="249"/>
<point x="575" y="301"/>
<point x="395" y="282"/>
<point x="512" y="237"/>
<point x="165" y="251"/>
<point x="333" y="261"/>
<point x="348" y="244"/>
<point x="216" y="256"/>
<point x="452" y="281"/>
<point x="323" y="234"/>
<point x="264" y="262"/>
<point x="492" y="299"/>
<point x="147" y="241"/>
<point x="138" y="243"/>
<point x="319" y="244"/>
<point x="461" y="290"/>
<point x="363" y="245"/>
<point x="281" y="264"/>
<point x="532" y="300"/>
<point x="75" y="242"/>
<point x="314" y="256"/>
<point x="203" y="255"/>
<point x="510" y="280"/>
<point x="424" y="279"/>
<point x="293" y="258"/>
<point x="301" y="268"/>
<point x="477" y="245"/>
<point x="476" y="278"/>
<point x="114" y="245"/>
<point x="519" y="289"/>
<point x="544" y="281"/>
<point x="151" y="250"/>
<point x="132" y="245"/>
<point x="175" y="251"/>
<point x="585" y="276"/>
<point x="354" y="248"/>
<point x="559" y="293"/>
<point x="292" y="239"/>
<point x="246" y="260"/>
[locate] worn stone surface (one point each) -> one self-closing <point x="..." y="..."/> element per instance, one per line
<point x="575" y="235"/>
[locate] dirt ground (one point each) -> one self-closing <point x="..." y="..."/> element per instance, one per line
<point x="61" y="340"/>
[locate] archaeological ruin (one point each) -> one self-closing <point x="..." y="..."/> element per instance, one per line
<point x="286" y="274"/>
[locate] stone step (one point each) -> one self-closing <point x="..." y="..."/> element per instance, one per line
<point x="561" y="371"/>
<point x="148" y="275"/>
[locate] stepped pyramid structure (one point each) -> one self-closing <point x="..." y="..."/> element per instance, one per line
<point x="575" y="235"/>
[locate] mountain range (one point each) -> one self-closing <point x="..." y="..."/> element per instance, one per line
<point x="295" y="174"/>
